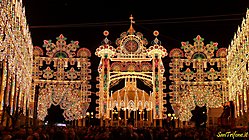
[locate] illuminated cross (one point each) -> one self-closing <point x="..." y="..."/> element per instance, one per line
<point x="131" y="18"/>
<point x="131" y="30"/>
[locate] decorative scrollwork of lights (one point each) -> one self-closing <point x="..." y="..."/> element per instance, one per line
<point x="198" y="78"/>
<point x="16" y="51"/>
<point x="131" y="60"/>
<point x="238" y="70"/>
<point x="63" y="77"/>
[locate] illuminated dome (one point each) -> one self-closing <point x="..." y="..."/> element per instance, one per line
<point x="130" y="97"/>
<point x="131" y="90"/>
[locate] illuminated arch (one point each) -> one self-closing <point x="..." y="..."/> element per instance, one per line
<point x="83" y="53"/>
<point x="37" y="51"/>
<point x="196" y="79"/>
<point x="221" y="52"/>
<point x="62" y="78"/>
<point x="129" y="74"/>
<point x="61" y="54"/>
<point x="199" y="55"/>
<point x="116" y="66"/>
<point x="176" y="52"/>
<point x="131" y="61"/>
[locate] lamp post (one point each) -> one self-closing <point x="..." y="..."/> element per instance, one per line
<point x="89" y="116"/>
<point x="83" y="121"/>
<point x="169" y="119"/>
<point x="172" y="119"/>
<point x="114" y="116"/>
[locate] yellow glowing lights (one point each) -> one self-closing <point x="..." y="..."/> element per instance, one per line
<point x="237" y="62"/>
<point x="66" y="82"/>
<point x="131" y="60"/>
<point x="16" y="51"/>
<point x="199" y="79"/>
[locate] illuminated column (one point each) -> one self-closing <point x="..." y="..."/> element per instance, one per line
<point x="3" y="89"/>
<point x="160" y="91"/>
<point x="105" y="51"/>
<point x="153" y="91"/>
<point x="103" y="90"/>
<point x="126" y="107"/>
<point x="156" y="98"/>
<point x="6" y="97"/>
<point x="157" y="52"/>
<point x="3" y="84"/>
<point x="15" y="97"/>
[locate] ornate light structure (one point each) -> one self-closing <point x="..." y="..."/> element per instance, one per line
<point x="198" y="78"/>
<point x="238" y="71"/>
<point x="16" y="51"/>
<point x="62" y="76"/>
<point x="131" y="60"/>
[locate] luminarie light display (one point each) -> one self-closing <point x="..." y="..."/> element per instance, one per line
<point x="131" y="60"/>
<point x="16" y="51"/>
<point x="61" y="77"/>
<point x="237" y="62"/>
<point x="198" y="77"/>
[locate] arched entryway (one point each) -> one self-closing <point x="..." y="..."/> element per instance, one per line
<point x="131" y="60"/>
<point x="55" y="115"/>
<point x="61" y="77"/>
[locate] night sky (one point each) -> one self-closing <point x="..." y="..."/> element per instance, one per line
<point x="176" y="21"/>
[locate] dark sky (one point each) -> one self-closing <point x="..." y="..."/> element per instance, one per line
<point x="176" y="21"/>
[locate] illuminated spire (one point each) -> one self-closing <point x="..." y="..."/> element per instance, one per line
<point x="131" y="29"/>
<point x="106" y="40"/>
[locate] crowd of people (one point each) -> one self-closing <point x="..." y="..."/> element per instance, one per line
<point x="119" y="133"/>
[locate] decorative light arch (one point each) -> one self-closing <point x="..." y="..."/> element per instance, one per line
<point x="198" y="78"/>
<point x="63" y="78"/>
<point x="131" y="60"/>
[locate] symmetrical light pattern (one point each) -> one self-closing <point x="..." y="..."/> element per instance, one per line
<point x="62" y="75"/>
<point x="131" y="60"/>
<point x="237" y="61"/>
<point x="198" y="78"/>
<point x="16" y="51"/>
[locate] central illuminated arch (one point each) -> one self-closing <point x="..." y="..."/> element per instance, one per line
<point x="131" y="61"/>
